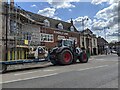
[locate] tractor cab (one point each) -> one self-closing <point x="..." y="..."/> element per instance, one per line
<point x="65" y="43"/>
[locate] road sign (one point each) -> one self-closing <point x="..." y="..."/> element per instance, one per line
<point x="26" y="42"/>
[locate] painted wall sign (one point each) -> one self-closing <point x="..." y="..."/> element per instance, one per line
<point x="61" y="33"/>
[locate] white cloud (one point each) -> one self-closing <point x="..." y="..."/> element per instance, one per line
<point x="52" y="0"/>
<point x="63" y="0"/>
<point x="108" y="17"/>
<point x="62" y="3"/>
<point x="98" y="24"/>
<point x="70" y="10"/>
<point x="101" y="1"/>
<point x="108" y="12"/>
<point x="33" y="5"/>
<point x="48" y="12"/>
<point x="78" y="23"/>
<point x="113" y="1"/>
<point x="57" y="18"/>
<point x="98" y="1"/>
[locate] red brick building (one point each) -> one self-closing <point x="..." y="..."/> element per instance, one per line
<point x="54" y="30"/>
<point x="55" y="35"/>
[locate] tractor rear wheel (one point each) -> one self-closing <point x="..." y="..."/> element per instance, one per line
<point x="83" y="57"/>
<point x="65" y="57"/>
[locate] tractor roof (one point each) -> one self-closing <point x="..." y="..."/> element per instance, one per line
<point x="68" y="39"/>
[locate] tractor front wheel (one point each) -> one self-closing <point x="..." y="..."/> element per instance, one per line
<point x="83" y="57"/>
<point x="65" y="57"/>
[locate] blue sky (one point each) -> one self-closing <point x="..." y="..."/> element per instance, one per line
<point x="81" y="9"/>
<point x="101" y="14"/>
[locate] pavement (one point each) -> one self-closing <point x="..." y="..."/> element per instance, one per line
<point x="100" y="72"/>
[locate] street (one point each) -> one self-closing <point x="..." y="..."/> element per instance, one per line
<point x="100" y="72"/>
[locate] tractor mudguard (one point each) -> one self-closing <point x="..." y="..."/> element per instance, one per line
<point x="63" y="48"/>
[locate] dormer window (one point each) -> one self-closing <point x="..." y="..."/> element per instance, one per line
<point x="72" y="28"/>
<point x="47" y="23"/>
<point x="60" y="26"/>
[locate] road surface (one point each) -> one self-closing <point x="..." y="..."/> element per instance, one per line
<point x="99" y="72"/>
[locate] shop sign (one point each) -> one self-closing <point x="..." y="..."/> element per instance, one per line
<point x="61" y="33"/>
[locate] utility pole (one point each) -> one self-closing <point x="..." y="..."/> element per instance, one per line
<point x="105" y="31"/>
<point x="6" y="36"/>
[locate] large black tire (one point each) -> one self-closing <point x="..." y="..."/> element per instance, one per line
<point x="3" y="68"/>
<point x="54" y="62"/>
<point x="83" y="58"/>
<point x="118" y="54"/>
<point x="65" y="57"/>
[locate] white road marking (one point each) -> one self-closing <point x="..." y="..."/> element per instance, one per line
<point x="92" y="67"/>
<point x="100" y="59"/>
<point x="48" y="70"/>
<point x="26" y="73"/>
<point x="105" y="60"/>
<point x="48" y="75"/>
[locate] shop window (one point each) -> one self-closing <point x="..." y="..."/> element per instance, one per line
<point x="26" y="36"/>
<point x="46" y="37"/>
<point x="82" y="41"/>
<point x="14" y="27"/>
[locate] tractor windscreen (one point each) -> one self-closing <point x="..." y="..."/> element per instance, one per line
<point x="67" y="43"/>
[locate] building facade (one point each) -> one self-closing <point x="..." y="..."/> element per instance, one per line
<point x="2" y="30"/>
<point x="89" y="41"/>
<point x="101" y="45"/>
<point x="27" y="29"/>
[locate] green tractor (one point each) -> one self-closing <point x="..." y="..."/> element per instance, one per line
<point x="67" y="53"/>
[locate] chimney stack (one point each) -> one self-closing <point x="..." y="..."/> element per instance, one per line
<point x="12" y="3"/>
<point x="71" y="21"/>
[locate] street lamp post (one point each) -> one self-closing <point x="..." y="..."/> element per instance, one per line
<point x="105" y="31"/>
<point x="106" y="46"/>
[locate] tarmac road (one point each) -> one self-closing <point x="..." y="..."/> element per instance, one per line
<point x="99" y="72"/>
